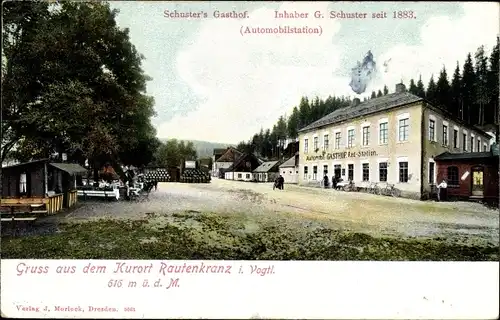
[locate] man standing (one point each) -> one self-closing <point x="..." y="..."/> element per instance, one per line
<point x="326" y="183"/>
<point x="281" y="182"/>
<point x="442" y="190"/>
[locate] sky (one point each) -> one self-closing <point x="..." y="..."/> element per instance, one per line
<point x="212" y="83"/>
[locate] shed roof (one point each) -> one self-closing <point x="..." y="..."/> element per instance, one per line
<point x="266" y="166"/>
<point x="25" y="163"/>
<point x="365" y="108"/>
<point x="71" y="168"/>
<point x="464" y="156"/>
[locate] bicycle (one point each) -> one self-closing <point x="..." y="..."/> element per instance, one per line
<point x="373" y="188"/>
<point x="350" y="187"/>
<point x="391" y="190"/>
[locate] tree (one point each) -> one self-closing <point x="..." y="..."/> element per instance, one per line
<point x="386" y="90"/>
<point x="293" y="124"/>
<point x="468" y="88"/>
<point x="456" y="94"/>
<point x="443" y="91"/>
<point x="493" y="86"/>
<point x="305" y="112"/>
<point x="174" y="152"/>
<point x="82" y="90"/>
<point x="413" y="88"/>
<point x="379" y="94"/>
<point x="420" y="88"/>
<point x="431" y="94"/>
<point x="374" y="95"/>
<point x="481" y="85"/>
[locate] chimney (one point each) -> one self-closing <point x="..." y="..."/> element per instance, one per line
<point x="355" y="102"/>
<point x="400" y="88"/>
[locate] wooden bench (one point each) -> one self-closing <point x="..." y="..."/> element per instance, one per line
<point x="24" y="215"/>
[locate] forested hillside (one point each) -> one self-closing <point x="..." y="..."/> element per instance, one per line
<point x="470" y="94"/>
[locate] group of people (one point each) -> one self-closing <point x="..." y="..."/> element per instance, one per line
<point x="279" y="183"/>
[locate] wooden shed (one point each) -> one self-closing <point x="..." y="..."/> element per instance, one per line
<point x="42" y="186"/>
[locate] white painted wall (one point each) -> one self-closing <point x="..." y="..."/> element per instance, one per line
<point x="290" y="174"/>
<point x="239" y="176"/>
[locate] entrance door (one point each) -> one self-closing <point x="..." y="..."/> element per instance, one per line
<point x="477" y="182"/>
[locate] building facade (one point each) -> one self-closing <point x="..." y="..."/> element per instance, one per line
<point x="389" y="140"/>
<point x="289" y="170"/>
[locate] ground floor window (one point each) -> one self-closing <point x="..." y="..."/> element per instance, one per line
<point x="248" y="176"/>
<point x="315" y="172"/>
<point x="239" y="175"/>
<point x="382" y="171"/>
<point x="325" y="169"/>
<point x="431" y="172"/>
<point x="366" y="172"/>
<point x="350" y="172"/>
<point x="452" y="175"/>
<point x="337" y="171"/>
<point x="305" y="172"/>
<point x="403" y="172"/>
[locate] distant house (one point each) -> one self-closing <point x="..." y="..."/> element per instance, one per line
<point x="243" y="168"/>
<point x="226" y="160"/>
<point x="267" y="171"/>
<point x="290" y="169"/>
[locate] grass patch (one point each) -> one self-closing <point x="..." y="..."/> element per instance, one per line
<point x="217" y="237"/>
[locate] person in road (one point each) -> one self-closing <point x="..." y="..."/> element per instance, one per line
<point x="334" y="182"/>
<point x="281" y="182"/>
<point x="276" y="183"/>
<point x="442" y="190"/>
<point x="326" y="182"/>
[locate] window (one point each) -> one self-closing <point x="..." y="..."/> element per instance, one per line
<point x="464" y="144"/>
<point x="383" y="133"/>
<point x="453" y="177"/>
<point x="366" y="136"/>
<point x="478" y="145"/>
<point x="445" y="135"/>
<point x="239" y="175"/>
<point x="350" y="138"/>
<point x="23" y="184"/>
<point x="485" y="147"/>
<point x="366" y="172"/>
<point x="315" y="172"/>
<point x="382" y="171"/>
<point x="315" y="142"/>
<point x="404" y="129"/>
<point x="338" y="137"/>
<point x="337" y="171"/>
<point x="247" y="176"/>
<point x="325" y="142"/>
<point x="306" y="145"/>
<point x="432" y="128"/>
<point x="350" y="172"/>
<point x="471" y="144"/>
<point x="325" y="169"/>
<point x="403" y="172"/>
<point x="305" y="172"/>
<point x="431" y="172"/>
<point x="455" y="138"/>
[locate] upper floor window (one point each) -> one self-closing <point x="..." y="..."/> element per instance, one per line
<point x="306" y="145"/>
<point x="455" y="138"/>
<point x="366" y="135"/>
<point x="464" y="142"/>
<point x="432" y="130"/>
<point x="315" y="142"/>
<point x="478" y="145"/>
<point x="338" y="138"/>
<point x="472" y="144"/>
<point x="404" y="125"/>
<point x="350" y="138"/>
<point x="445" y="135"/>
<point x="485" y="147"/>
<point x="325" y="142"/>
<point x="383" y="132"/>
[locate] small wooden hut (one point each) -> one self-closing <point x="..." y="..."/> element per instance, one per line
<point x="40" y="186"/>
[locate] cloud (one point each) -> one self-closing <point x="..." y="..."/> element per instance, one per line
<point x="247" y="82"/>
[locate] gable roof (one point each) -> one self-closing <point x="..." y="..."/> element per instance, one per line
<point x="289" y="163"/>
<point x="266" y="166"/>
<point x="219" y="151"/>
<point x="365" y="108"/>
<point x="230" y="155"/>
<point x="242" y="158"/>
<point x="464" y="156"/>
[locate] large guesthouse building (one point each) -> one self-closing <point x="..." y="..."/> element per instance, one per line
<point x="392" y="139"/>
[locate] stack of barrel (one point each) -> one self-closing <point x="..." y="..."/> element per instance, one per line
<point x="195" y="176"/>
<point x="158" y="175"/>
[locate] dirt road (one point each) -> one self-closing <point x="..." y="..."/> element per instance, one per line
<point x="309" y="207"/>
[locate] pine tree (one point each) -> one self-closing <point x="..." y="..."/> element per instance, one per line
<point x="374" y="95"/>
<point x="413" y="88"/>
<point x="481" y="94"/>
<point x="431" y="94"/>
<point x="456" y="94"/>
<point x="386" y="90"/>
<point x="468" y="84"/>
<point x="420" y="88"/>
<point x="493" y="86"/>
<point x="443" y="91"/>
<point x="379" y="94"/>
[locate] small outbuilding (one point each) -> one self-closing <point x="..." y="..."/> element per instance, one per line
<point x="266" y="172"/>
